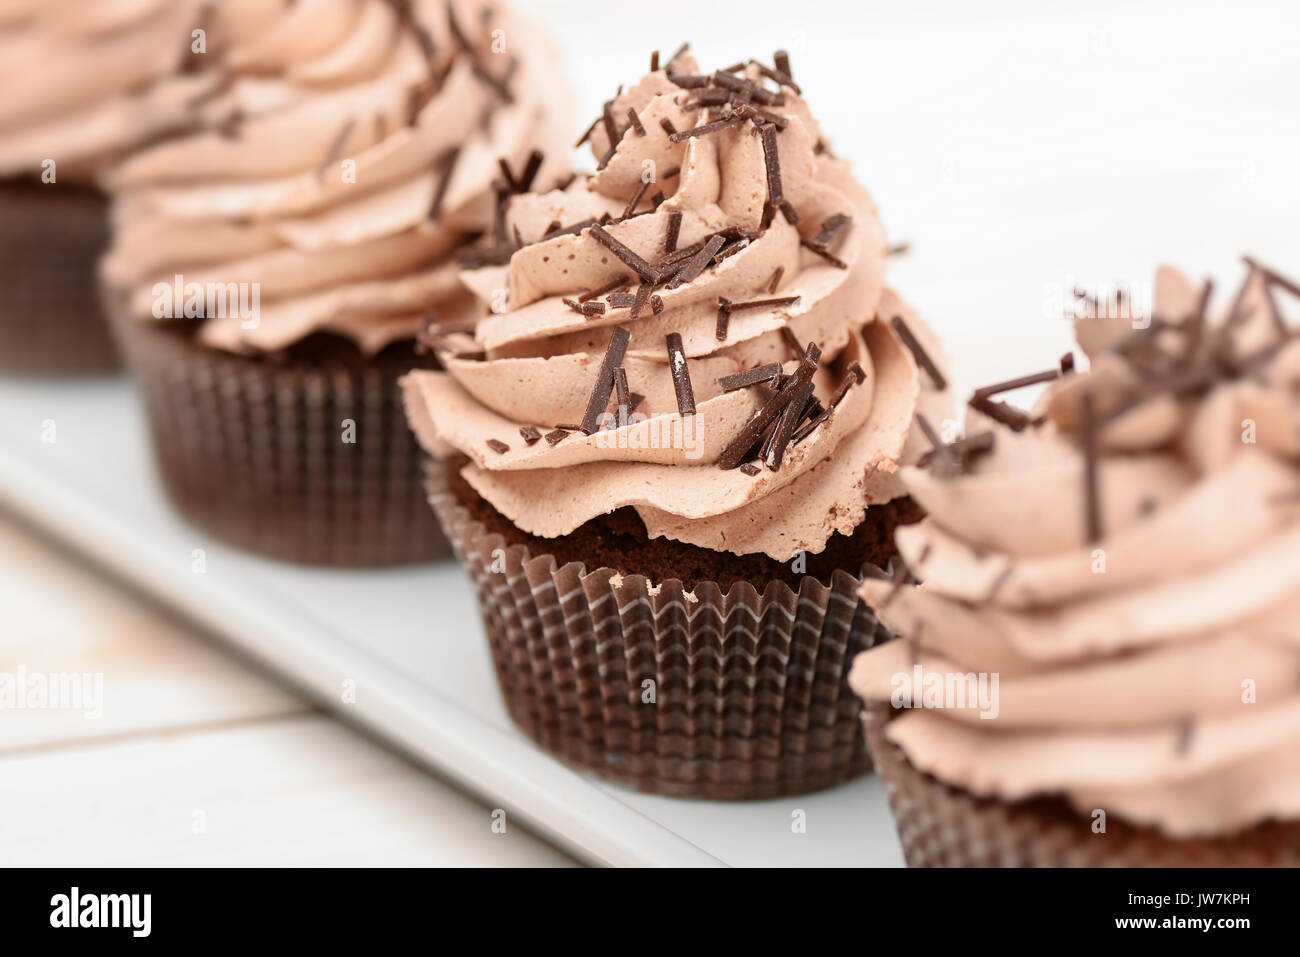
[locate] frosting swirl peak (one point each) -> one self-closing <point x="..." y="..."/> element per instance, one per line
<point x="655" y="320"/>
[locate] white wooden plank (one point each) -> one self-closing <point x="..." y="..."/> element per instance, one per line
<point x="300" y="790"/>
<point x="136" y="666"/>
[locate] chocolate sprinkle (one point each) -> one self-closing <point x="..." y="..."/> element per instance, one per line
<point x="695" y="265"/>
<point x="640" y="300"/>
<point x="556" y="437"/>
<point x="830" y="257"/>
<point x="764" y="303"/>
<point x="1067" y="363"/>
<point x="750" y="469"/>
<point x="668" y="127"/>
<point x="530" y="434"/>
<point x="741" y="380"/>
<point x="681" y="375"/>
<point x="622" y="395"/>
<point x="1008" y="415"/>
<point x="496" y="445"/>
<point x="674" y="230"/>
<point x="1010" y="385"/>
<point x="642" y="268"/>
<point x="772" y="161"/>
<point x="635" y="201"/>
<point x="605" y="380"/>
<point x="1092" y="502"/>
<point x="446" y="163"/>
<point x="785" y="426"/>
<point x="635" y="121"/>
<point x="776" y="279"/>
<point x="918" y="352"/>
<point x="738" y="448"/>
<point x="724" y="319"/>
<point x="713" y="127"/>
<point x="656" y="304"/>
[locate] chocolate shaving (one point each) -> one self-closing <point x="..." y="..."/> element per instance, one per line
<point x="1010" y="385"/>
<point x="772" y="161"/>
<point x="918" y="352"/>
<point x="776" y="279"/>
<point x="1092" y="501"/>
<point x="750" y="469"/>
<point x="656" y="304"/>
<point x="674" y="230"/>
<point x="589" y="308"/>
<point x="605" y="380"/>
<point x="724" y="319"/>
<point x="638" y="265"/>
<point x="707" y="128"/>
<point x="530" y="434"/>
<point x="792" y="341"/>
<point x="741" y="380"/>
<point x="635" y="201"/>
<point x="995" y="586"/>
<point x="668" y="127"/>
<point x="654" y="61"/>
<point x="640" y="300"/>
<point x="689" y="82"/>
<point x="782" y="60"/>
<point x="778" y="76"/>
<point x="635" y="121"/>
<point x="738" y="448"/>
<point x="830" y="257"/>
<point x="336" y="147"/>
<point x="830" y="231"/>
<point x="622" y="395"/>
<point x="496" y="445"/>
<point x="695" y="265"/>
<point x="446" y="163"/>
<point x="570" y="230"/>
<point x="587" y="135"/>
<point x="785" y="426"/>
<point x="1067" y="363"/>
<point x="681" y="375"/>
<point x="556" y="437"/>
<point x="764" y="303"/>
<point x="1008" y="415"/>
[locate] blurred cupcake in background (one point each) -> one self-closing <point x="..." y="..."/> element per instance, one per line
<point x="1101" y="665"/>
<point x="273" y="273"/>
<point x="666" y="453"/>
<point x="81" y="83"/>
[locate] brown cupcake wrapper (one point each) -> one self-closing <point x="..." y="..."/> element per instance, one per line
<point x="251" y="451"/>
<point x="943" y="826"/>
<point x="750" y="697"/>
<point x="50" y="320"/>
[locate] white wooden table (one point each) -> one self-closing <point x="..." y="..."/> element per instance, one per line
<point x="202" y="759"/>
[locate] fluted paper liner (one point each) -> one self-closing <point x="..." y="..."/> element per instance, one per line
<point x="749" y="695"/>
<point x="50" y="319"/>
<point x="252" y="453"/>
<point x="943" y="826"/>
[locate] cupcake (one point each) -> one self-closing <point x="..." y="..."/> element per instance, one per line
<point x="81" y="83"/>
<point x="1100" y="665"/>
<point x="671" y="443"/>
<point x="275" y="271"/>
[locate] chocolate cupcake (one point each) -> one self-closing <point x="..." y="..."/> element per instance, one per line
<point x="274" y="272"/>
<point x="81" y="83"/>
<point x="666" y="450"/>
<point x="1100" y="667"/>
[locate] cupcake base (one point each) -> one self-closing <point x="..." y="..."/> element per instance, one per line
<point x="305" y="457"/>
<point x="705" y="684"/>
<point x="50" y="239"/>
<point x="942" y="826"/>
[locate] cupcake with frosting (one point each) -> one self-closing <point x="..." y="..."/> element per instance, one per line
<point x="82" y="82"/>
<point x="274" y="271"/>
<point x="673" y="436"/>
<point x="1100" y="664"/>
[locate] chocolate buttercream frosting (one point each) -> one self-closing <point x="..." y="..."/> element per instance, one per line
<point x="348" y="151"/>
<point x="84" y="81"/>
<point x="1125" y="558"/>
<point x="699" y="330"/>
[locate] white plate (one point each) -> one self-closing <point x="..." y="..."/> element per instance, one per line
<point x="408" y="641"/>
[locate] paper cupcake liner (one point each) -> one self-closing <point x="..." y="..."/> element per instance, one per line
<point x="253" y="452"/>
<point x="942" y="826"/>
<point x="747" y="694"/>
<point x="50" y="320"/>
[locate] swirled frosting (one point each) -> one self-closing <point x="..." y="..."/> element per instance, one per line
<point x="1147" y="645"/>
<point x="350" y="151"/>
<point x="83" y="81"/>
<point x="807" y="269"/>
